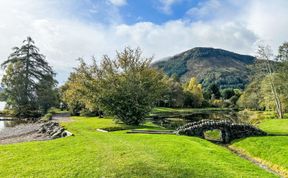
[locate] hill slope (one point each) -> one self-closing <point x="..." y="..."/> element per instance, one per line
<point x="227" y="69"/>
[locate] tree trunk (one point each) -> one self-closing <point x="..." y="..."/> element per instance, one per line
<point x="275" y="94"/>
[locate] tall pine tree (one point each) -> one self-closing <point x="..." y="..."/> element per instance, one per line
<point x="27" y="76"/>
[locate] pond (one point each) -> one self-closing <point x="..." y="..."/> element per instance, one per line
<point x="2" y="105"/>
<point x="7" y="121"/>
<point x="4" y="123"/>
<point x="175" y="120"/>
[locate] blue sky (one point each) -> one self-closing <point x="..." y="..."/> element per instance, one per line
<point x="67" y="29"/>
<point x="134" y="11"/>
<point x="151" y="10"/>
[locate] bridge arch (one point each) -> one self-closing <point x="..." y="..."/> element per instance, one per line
<point x="229" y="130"/>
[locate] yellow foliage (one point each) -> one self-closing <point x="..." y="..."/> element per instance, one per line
<point x="196" y="90"/>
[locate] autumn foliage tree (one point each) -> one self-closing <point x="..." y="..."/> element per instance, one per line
<point x="194" y="92"/>
<point x="80" y="92"/>
<point x="125" y="87"/>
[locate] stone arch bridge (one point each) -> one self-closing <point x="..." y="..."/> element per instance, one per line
<point x="229" y="130"/>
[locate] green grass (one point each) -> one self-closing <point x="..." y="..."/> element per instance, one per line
<point x="116" y="154"/>
<point x="214" y="135"/>
<point x="54" y="110"/>
<point x="272" y="150"/>
<point x="275" y="126"/>
<point x="181" y="110"/>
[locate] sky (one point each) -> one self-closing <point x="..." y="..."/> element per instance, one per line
<point x="65" y="30"/>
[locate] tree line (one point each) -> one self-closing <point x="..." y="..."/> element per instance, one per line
<point x="127" y="87"/>
<point x="268" y="90"/>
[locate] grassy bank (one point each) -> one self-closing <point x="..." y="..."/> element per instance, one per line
<point x="117" y="154"/>
<point x="185" y="110"/>
<point x="271" y="150"/>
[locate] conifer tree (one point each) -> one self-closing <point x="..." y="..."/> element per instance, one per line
<point x="26" y="74"/>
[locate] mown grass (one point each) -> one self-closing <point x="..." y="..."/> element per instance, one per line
<point x="214" y="135"/>
<point x="272" y="150"/>
<point x="117" y="154"/>
<point x="180" y="110"/>
<point x="275" y="126"/>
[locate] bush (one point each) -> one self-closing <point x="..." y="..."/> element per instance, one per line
<point x="7" y="112"/>
<point x="47" y="117"/>
<point x="227" y="93"/>
<point x="129" y="87"/>
<point x="87" y="113"/>
<point x="53" y="110"/>
<point x="217" y="103"/>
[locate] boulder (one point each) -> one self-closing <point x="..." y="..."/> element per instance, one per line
<point x="54" y="130"/>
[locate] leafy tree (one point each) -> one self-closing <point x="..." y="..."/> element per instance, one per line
<point x="125" y="87"/>
<point x="80" y="92"/>
<point x="213" y="90"/>
<point x="252" y="97"/>
<point x="268" y="90"/>
<point x="173" y="95"/>
<point x="283" y="59"/>
<point x="267" y="99"/>
<point x="47" y="95"/>
<point x="283" y="52"/>
<point x="129" y="87"/>
<point x="227" y="93"/>
<point x="27" y="75"/>
<point x="265" y="54"/>
<point x="194" y="90"/>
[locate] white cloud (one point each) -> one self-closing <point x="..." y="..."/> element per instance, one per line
<point x="205" y="8"/>
<point x="176" y="36"/>
<point x="118" y="2"/>
<point x="63" y="38"/>
<point x="167" y="4"/>
<point x="268" y="20"/>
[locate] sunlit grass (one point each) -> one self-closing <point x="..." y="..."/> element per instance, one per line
<point x="272" y="150"/>
<point x="117" y="154"/>
<point x="173" y="110"/>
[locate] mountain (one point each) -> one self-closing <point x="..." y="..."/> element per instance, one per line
<point x="225" y="68"/>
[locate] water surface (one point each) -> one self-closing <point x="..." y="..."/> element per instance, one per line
<point x="8" y="123"/>
<point x="175" y="120"/>
<point x="2" y="105"/>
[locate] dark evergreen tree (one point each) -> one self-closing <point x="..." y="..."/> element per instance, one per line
<point x="227" y="93"/>
<point x="213" y="89"/>
<point x="26" y="74"/>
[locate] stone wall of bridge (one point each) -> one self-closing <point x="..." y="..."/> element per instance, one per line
<point x="229" y="130"/>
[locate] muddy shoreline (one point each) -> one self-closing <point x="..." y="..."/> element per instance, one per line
<point x="28" y="131"/>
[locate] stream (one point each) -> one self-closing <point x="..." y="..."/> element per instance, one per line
<point x="175" y="120"/>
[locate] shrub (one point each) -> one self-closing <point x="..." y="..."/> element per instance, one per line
<point x="47" y="117"/>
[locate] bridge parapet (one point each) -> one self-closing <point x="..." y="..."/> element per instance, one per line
<point x="229" y="130"/>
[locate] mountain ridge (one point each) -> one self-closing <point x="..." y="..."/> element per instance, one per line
<point x="225" y="68"/>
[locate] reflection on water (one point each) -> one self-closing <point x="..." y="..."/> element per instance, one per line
<point x="2" y="105"/>
<point x="173" y="121"/>
<point x="4" y="123"/>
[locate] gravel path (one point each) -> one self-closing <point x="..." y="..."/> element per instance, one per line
<point x="21" y="133"/>
<point x="63" y="117"/>
<point x="28" y="132"/>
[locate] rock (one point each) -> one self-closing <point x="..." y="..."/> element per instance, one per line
<point x="54" y="130"/>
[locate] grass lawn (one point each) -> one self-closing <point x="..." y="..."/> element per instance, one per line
<point x="272" y="150"/>
<point x="275" y="126"/>
<point x="184" y="110"/>
<point x="95" y="154"/>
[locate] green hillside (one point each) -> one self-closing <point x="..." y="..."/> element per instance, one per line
<point x="227" y="69"/>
